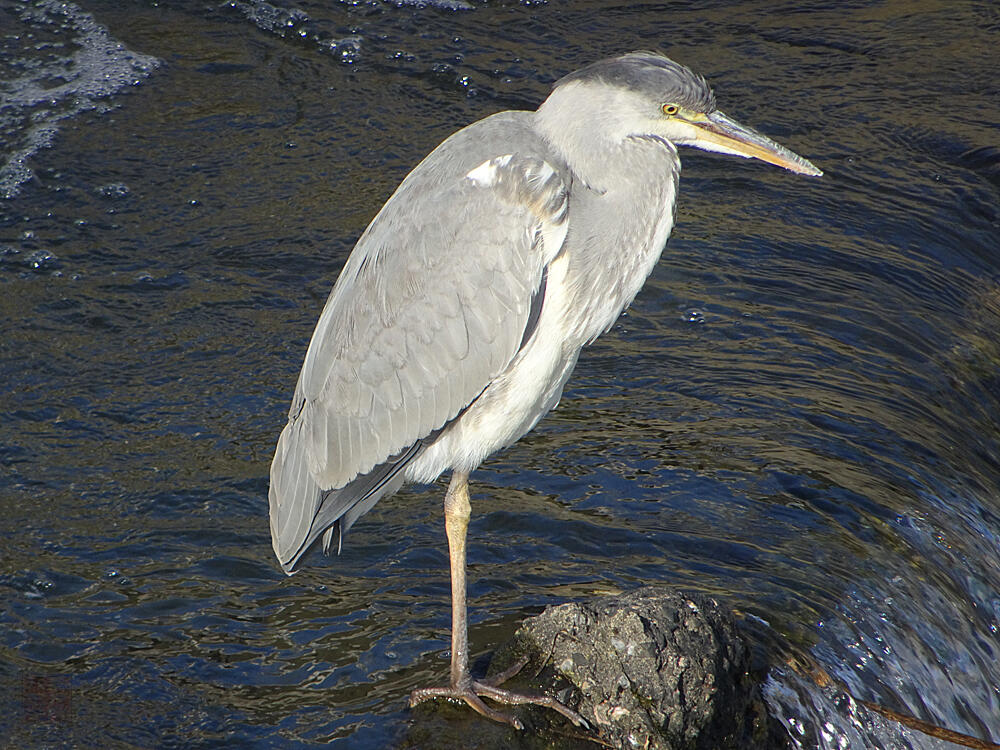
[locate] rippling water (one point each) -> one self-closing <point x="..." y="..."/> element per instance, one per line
<point x="798" y="415"/>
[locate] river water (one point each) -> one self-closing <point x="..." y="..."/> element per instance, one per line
<point x="798" y="415"/>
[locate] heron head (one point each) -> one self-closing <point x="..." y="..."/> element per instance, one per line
<point x="644" y="94"/>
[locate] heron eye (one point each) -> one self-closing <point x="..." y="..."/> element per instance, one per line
<point x="670" y="109"/>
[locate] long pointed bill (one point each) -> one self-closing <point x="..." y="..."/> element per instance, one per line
<point x="719" y="133"/>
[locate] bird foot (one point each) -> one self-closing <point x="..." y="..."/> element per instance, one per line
<point x="472" y="692"/>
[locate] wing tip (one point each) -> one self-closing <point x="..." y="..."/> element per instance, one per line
<point x="293" y="499"/>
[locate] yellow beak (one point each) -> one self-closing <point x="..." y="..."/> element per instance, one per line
<point x="717" y="132"/>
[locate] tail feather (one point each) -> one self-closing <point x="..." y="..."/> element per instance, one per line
<point x="301" y="511"/>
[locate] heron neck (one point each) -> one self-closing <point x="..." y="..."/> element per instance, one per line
<point x="589" y="151"/>
<point x="622" y="232"/>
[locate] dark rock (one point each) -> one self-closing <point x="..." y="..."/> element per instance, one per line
<point x="650" y="669"/>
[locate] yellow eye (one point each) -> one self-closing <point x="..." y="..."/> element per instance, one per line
<point x="670" y="109"/>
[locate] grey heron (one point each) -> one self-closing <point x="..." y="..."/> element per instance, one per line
<point x="462" y="309"/>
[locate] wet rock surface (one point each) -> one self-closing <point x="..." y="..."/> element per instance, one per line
<point x="650" y="669"/>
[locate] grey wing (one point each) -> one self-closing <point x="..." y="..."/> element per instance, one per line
<point x="431" y="306"/>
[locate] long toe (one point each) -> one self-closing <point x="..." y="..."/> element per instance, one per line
<point x="510" y="698"/>
<point x="474" y="693"/>
<point x="499" y="679"/>
<point x="470" y="697"/>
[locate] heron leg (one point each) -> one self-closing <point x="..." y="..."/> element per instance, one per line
<point x="457" y="511"/>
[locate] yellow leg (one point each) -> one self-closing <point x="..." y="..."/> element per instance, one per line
<point x="457" y="511"/>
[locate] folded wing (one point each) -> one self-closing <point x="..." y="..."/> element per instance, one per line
<point x="432" y="305"/>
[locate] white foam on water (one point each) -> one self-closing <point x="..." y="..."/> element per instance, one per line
<point x="68" y="64"/>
